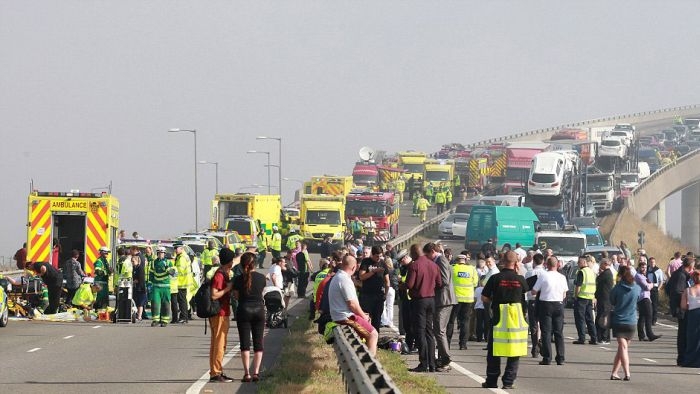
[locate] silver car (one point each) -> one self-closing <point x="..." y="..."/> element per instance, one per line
<point x="454" y="226"/>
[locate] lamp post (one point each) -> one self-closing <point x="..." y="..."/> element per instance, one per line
<point x="279" y="140"/>
<point x="268" y="167"/>
<point x="216" y="171"/>
<point x="194" y="133"/>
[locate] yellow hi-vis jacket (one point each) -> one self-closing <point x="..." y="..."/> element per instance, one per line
<point x="422" y="204"/>
<point x="587" y="290"/>
<point x="83" y="296"/>
<point x="207" y="255"/>
<point x="510" y="334"/>
<point x="465" y="278"/>
<point x="184" y="270"/>
<point x="276" y="242"/>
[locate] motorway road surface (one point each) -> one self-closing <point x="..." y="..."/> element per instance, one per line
<point x="587" y="367"/>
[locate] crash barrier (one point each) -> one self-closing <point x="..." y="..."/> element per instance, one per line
<point x="361" y="371"/>
<point x="404" y="240"/>
<point x="631" y="118"/>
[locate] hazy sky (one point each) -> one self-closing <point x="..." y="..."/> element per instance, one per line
<point x="88" y="89"/>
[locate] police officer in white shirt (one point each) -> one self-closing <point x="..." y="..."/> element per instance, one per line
<point x="552" y="288"/>
<point x="532" y="318"/>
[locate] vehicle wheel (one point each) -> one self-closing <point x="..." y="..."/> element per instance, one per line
<point x="3" y="318"/>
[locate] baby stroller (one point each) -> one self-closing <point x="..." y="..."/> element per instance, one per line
<point x="275" y="314"/>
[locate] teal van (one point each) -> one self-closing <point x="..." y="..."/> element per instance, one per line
<point x="502" y="224"/>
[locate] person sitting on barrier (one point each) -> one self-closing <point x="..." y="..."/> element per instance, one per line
<point x="344" y="306"/>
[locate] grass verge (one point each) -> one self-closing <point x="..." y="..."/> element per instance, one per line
<point x="407" y="382"/>
<point x="307" y="364"/>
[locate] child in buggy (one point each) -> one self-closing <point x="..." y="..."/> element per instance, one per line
<point x="275" y="308"/>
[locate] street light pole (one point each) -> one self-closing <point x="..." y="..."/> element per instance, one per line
<point x="268" y="167"/>
<point x="216" y="171"/>
<point x="279" y="140"/>
<point x="194" y="133"/>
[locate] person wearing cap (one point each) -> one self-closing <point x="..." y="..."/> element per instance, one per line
<point x="276" y="243"/>
<point x="159" y="278"/>
<point x="292" y="239"/>
<point x="207" y="254"/>
<point x="465" y="280"/>
<point x="183" y="265"/>
<point x="102" y="273"/>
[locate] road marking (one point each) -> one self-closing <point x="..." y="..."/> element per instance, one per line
<point x="650" y="360"/>
<point x="33" y="350"/>
<point x="474" y="376"/>
<point x="198" y="385"/>
<point x="667" y="325"/>
<point x="96" y="326"/>
<point x="569" y="338"/>
<point x="605" y="348"/>
<point x="69" y="337"/>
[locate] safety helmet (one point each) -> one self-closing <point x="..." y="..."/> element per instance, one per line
<point x="104" y="249"/>
<point x="160" y="249"/>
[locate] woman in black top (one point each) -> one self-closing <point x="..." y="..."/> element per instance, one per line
<point x="139" y="282"/>
<point x="250" y="314"/>
<point x="53" y="280"/>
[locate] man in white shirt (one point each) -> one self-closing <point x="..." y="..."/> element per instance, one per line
<point x="532" y="319"/>
<point x="552" y="287"/>
<point x="345" y="307"/>
<point x="520" y="251"/>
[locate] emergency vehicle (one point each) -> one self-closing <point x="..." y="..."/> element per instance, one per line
<point x="439" y="173"/>
<point x="322" y="215"/>
<point x="331" y="184"/>
<point x="413" y="162"/>
<point x="381" y="206"/>
<point x="82" y="221"/>
<point x="245" y="213"/>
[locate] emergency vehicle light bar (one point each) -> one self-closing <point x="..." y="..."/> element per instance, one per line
<point x="69" y="194"/>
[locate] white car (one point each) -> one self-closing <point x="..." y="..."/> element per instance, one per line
<point x="612" y="147"/>
<point x="625" y="127"/>
<point x="454" y="226"/>
<point x="625" y="136"/>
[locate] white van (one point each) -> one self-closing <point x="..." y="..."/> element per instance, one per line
<point x="547" y="174"/>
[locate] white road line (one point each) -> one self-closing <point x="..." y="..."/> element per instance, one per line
<point x="96" y="326"/>
<point x="33" y="350"/>
<point x="204" y="379"/>
<point x="650" y="360"/>
<point x="667" y="325"/>
<point x="69" y="337"/>
<point x="473" y="376"/>
<point x="605" y="348"/>
<point x="569" y="338"/>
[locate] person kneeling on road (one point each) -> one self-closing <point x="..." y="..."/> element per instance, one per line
<point x="344" y="306"/>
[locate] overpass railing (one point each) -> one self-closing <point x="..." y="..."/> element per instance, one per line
<point x="645" y="183"/>
<point x="361" y="371"/>
<point x="628" y="117"/>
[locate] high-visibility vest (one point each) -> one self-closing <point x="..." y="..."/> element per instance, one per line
<point x="422" y="204"/>
<point x="465" y="279"/>
<point x="126" y="268"/>
<point x="319" y="278"/>
<point x="448" y="196"/>
<point x="83" y="296"/>
<point x="160" y="273"/>
<point x="440" y="197"/>
<point x="262" y="242"/>
<point x="587" y="290"/>
<point x="400" y="185"/>
<point x="403" y="279"/>
<point x="207" y="255"/>
<point x="184" y="270"/>
<point x="510" y="334"/>
<point x="276" y="243"/>
<point x="292" y="241"/>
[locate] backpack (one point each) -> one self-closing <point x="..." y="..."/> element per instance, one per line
<point x="206" y="306"/>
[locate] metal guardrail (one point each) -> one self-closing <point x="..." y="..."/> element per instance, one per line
<point x="584" y="123"/>
<point x="361" y="372"/>
<point x="403" y="241"/>
<point x="642" y="185"/>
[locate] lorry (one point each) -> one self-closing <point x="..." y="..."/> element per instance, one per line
<point x="322" y="215"/>
<point x="501" y="224"/>
<point x="82" y="221"/>
<point x="383" y="207"/>
<point x="263" y="208"/>
<point x="413" y="163"/>
<point x="472" y="173"/>
<point x="600" y="190"/>
<point x="518" y="160"/>
<point x="331" y="184"/>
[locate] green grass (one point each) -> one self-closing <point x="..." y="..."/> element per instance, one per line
<point x="306" y="365"/>
<point x="406" y="381"/>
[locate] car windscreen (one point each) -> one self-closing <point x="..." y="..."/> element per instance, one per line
<point x="611" y="143"/>
<point x="437" y="176"/>
<point x="543" y="178"/>
<point x="323" y="217"/>
<point x="562" y="246"/>
<point x="240" y="226"/>
<point x="365" y="208"/>
<point x="414" y="168"/>
<point x="599" y="185"/>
